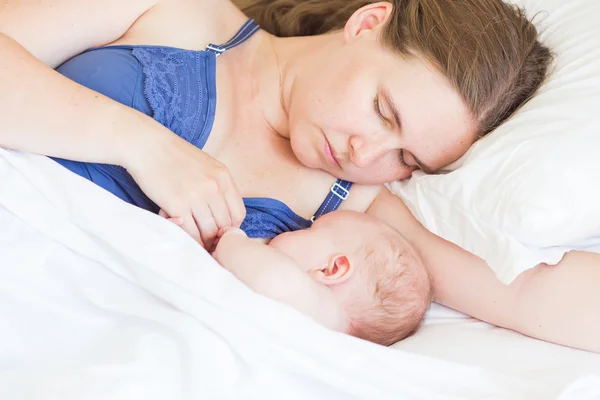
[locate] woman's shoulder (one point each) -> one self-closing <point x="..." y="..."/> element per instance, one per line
<point x="361" y="197"/>
<point x="54" y="31"/>
<point x="186" y="24"/>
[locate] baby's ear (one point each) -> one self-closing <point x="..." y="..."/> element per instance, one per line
<point x="337" y="271"/>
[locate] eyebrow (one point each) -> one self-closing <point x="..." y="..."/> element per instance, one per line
<point x="388" y="98"/>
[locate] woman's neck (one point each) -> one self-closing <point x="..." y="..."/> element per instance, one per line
<point x="274" y="66"/>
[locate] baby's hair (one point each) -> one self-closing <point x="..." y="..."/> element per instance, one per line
<point x="393" y="303"/>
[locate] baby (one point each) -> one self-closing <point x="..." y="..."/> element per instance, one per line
<point x="349" y="271"/>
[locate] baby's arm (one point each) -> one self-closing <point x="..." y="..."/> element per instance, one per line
<point x="273" y="274"/>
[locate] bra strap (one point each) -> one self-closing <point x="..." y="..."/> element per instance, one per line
<point x="338" y="193"/>
<point x="243" y="34"/>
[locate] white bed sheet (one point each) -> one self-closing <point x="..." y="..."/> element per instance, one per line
<point x="100" y="300"/>
<point x="451" y="336"/>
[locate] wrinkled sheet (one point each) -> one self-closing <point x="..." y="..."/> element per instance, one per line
<point x="100" y="300"/>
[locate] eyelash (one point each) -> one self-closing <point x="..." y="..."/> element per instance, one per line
<point x="401" y="159"/>
<point x="377" y="109"/>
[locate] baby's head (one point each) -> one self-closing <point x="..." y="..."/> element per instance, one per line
<point x="375" y="274"/>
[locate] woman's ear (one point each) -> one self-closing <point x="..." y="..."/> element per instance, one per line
<point x="367" y="19"/>
<point x="337" y="271"/>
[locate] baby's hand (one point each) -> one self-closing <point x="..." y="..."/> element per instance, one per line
<point x="222" y="237"/>
<point x="179" y="221"/>
<point x="227" y="231"/>
<point x="231" y="230"/>
<point x="223" y="233"/>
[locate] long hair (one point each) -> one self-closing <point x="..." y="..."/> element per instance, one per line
<point x="487" y="49"/>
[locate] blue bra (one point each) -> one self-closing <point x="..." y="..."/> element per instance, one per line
<point x="177" y="88"/>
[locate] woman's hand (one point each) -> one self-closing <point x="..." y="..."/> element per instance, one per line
<point x="187" y="183"/>
<point x="222" y="232"/>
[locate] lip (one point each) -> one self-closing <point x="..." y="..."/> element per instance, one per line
<point x="329" y="153"/>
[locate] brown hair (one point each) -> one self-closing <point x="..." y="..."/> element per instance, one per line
<point x="390" y="300"/>
<point x="488" y="50"/>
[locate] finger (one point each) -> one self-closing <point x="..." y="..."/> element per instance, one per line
<point x="235" y="204"/>
<point x="214" y="245"/>
<point x="176" y="220"/>
<point x="205" y="224"/>
<point x="220" y="213"/>
<point x="189" y="226"/>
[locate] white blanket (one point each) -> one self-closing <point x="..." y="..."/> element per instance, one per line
<point x="100" y="300"/>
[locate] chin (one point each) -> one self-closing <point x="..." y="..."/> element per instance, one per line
<point x="299" y="148"/>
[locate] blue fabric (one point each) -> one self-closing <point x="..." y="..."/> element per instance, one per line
<point x="267" y="218"/>
<point x="338" y="193"/>
<point x="177" y="88"/>
<point x="247" y="30"/>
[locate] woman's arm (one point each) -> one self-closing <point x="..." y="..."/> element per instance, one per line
<point x="56" y="30"/>
<point x="44" y="112"/>
<point x="559" y="304"/>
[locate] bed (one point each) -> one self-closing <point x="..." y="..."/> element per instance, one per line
<point x="553" y="371"/>
<point x="100" y="300"/>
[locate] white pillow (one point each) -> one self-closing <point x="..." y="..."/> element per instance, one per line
<point x="530" y="191"/>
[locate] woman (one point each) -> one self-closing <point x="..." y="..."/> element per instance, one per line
<point x="382" y="90"/>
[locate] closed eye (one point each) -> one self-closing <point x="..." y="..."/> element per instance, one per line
<point x="377" y="108"/>
<point x="402" y="160"/>
<point x="393" y="108"/>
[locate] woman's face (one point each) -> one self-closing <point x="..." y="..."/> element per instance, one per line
<point x="367" y="115"/>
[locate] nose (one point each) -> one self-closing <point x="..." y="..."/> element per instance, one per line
<point x="365" y="151"/>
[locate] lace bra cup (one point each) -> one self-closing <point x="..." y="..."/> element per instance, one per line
<point x="171" y="85"/>
<point x="177" y="88"/>
<point x="267" y="218"/>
